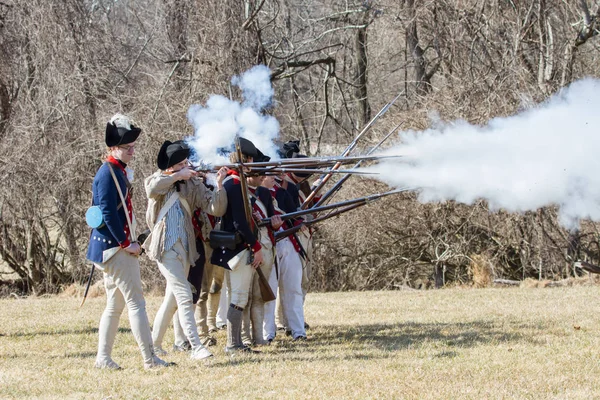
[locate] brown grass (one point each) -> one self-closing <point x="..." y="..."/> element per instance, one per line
<point x="481" y="271"/>
<point x="450" y="343"/>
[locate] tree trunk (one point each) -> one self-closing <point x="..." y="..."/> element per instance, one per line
<point x="364" y="108"/>
<point x="422" y="79"/>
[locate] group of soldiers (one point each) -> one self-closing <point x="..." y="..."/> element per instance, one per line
<point x="205" y="246"/>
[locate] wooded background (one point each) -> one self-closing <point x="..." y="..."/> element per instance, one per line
<point x="69" y="65"/>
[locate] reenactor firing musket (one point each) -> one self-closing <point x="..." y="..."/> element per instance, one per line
<point x="265" y="289"/>
<point x="324" y="178"/>
<point x="360" y="200"/>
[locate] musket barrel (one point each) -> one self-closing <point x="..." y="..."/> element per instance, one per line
<point x="298" y="162"/>
<point x="366" y="199"/>
<point x="277" y="171"/>
<point x="326" y="177"/>
<point x="283" y="234"/>
<point x="339" y="183"/>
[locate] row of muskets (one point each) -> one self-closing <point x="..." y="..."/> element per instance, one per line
<point x="327" y="167"/>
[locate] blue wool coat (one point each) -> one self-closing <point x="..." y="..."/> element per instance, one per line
<point x="106" y="196"/>
<point x="234" y="220"/>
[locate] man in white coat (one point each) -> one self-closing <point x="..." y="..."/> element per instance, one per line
<point x="173" y="192"/>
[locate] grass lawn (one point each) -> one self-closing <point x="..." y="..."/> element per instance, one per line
<point x="532" y="343"/>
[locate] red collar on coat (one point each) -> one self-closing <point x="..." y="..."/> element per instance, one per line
<point x="117" y="163"/>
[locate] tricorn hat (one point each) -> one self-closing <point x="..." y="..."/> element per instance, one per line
<point x="171" y="153"/>
<point x="120" y="130"/>
<point x="290" y="149"/>
<point x="248" y="148"/>
<point x="260" y="157"/>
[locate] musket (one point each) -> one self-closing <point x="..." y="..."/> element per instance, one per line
<point x="339" y="183"/>
<point x="279" y="171"/>
<point x="324" y="178"/>
<point x="310" y="162"/>
<point x="365" y="200"/>
<point x="265" y="289"/>
<point x="283" y="234"/>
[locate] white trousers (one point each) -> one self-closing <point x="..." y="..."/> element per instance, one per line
<point x="269" y="326"/>
<point x="224" y="301"/>
<point x="123" y="288"/>
<point x="290" y="287"/>
<point x="174" y="267"/>
<point x="307" y="244"/>
<point x="239" y="281"/>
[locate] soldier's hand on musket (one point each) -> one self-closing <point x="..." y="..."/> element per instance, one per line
<point x="185" y="174"/>
<point x="276" y="222"/>
<point x="134" y="249"/>
<point x="258" y="259"/>
<point x="221" y="175"/>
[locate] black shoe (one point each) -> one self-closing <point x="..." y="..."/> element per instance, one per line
<point x="208" y="341"/>
<point x="288" y="332"/>
<point x="240" y="350"/>
<point x="306" y="326"/>
<point x="300" y="339"/>
<point x="186" y="346"/>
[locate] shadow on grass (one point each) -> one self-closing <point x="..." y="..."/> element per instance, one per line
<point x="412" y="334"/>
<point x="60" y="332"/>
<point x="380" y="341"/>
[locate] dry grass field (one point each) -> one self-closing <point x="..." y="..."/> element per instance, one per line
<point x="533" y="343"/>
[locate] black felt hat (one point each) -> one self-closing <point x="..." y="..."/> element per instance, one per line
<point x="116" y="136"/>
<point x="248" y="148"/>
<point x="289" y="149"/>
<point x="260" y="157"/>
<point x="171" y="153"/>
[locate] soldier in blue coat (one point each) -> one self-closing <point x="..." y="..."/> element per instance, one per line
<point x="239" y="266"/>
<point x="114" y="252"/>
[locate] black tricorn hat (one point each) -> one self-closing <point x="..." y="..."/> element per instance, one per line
<point x="260" y="157"/>
<point x="116" y="136"/>
<point x="171" y="153"/>
<point x="248" y="148"/>
<point x="290" y="149"/>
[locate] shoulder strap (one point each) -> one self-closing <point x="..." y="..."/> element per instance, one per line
<point x="131" y="228"/>
<point x="167" y="206"/>
<point x="261" y="206"/>
<point x="227" y="178"/>
<point x="185" y="205"/>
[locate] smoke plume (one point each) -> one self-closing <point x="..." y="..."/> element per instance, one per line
<point x="544" y="156"/>
<point x="218" y="122"/>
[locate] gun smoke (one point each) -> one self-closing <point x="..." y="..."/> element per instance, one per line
<point x="547" y="155"/>
<point x="218" y="122"/>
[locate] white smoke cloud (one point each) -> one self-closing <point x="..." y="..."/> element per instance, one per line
<point x="256" y="87"/>
<point x="217" y="123"/>
<point x="544" y="156"/>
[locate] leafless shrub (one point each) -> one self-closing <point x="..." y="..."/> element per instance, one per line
<point x="68" y="66"/>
